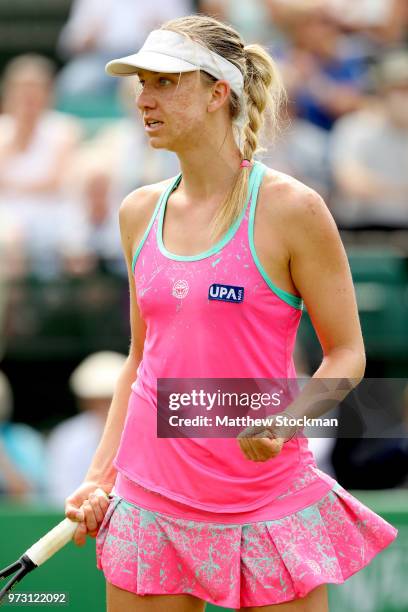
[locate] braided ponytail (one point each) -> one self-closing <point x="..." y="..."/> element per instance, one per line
<point x="263" y="92"/>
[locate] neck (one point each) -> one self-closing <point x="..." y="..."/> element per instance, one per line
<point x="208" y="170"/>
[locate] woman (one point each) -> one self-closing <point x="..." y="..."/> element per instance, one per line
<point x="245" y="523"/>
<point x="37" y="146"/>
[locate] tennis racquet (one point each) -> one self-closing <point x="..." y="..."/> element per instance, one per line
<point x="39" y="552"/>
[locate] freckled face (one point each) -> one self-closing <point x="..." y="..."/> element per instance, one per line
<point x="177" y="102"/>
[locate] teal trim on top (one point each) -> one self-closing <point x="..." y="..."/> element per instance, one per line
<point x="159" y="201"/>
<point x="221" y="243"/>
<point x="289" y="298"/>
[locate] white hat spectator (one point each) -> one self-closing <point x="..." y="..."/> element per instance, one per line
<point x="96" y="375"/>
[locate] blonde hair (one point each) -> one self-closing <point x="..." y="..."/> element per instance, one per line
<point x="40" y="65"/>
<point x="263" y="93"/>
<point x="31" y="64"/>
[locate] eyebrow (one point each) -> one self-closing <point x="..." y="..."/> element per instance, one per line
<point x="140" y="73"/>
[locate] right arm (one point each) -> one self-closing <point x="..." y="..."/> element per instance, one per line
<point x="83" y="505"/>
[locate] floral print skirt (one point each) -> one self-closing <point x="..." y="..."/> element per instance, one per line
<point x="240" y="565"/>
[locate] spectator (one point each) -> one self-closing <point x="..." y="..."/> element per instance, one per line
<point x="73" y="442"/>
<point x="22" y="459"/>
<point x="384" y="22"/>
<point x="302" y="151"/>
<point x="370" y="156"/>
<point x="379" y="462"/>
<point x="36" y="147"/>
<point x="323" y="74"/>
<point x="283" y="12"/>
<point x="250" y="17"/>
<point x="98" y="30"/>
<point x="92" y="238"/>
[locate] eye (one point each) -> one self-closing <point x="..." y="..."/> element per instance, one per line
<point x="164" y="80"/>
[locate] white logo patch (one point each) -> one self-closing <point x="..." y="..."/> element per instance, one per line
<point x="180" y="289"/>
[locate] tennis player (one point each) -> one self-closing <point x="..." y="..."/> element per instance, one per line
<point x="245" y="523"/>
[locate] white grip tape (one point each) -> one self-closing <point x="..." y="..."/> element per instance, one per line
<point x="55" y="539"/>
<point x="49" y="544"/>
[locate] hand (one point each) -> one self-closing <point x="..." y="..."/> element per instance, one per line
<point x="265" y="442"/>
<point x="87" y="505"/>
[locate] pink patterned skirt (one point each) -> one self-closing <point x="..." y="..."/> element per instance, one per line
<point x="237" y="565"/>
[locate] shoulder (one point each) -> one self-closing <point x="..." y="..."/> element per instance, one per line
<point x="296" y="208"/>
<point x="137" y="209"/>
<point x="291" y="199"/>
<point x="142" y="201"/>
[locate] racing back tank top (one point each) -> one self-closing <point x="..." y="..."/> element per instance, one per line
<point x="191" y="335"/>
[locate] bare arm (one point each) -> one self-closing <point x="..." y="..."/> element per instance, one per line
<point x="321" y="273"/>
<point x="101" y="468"/>
<point x="83" y="505"/>
<point x="320" y="270"/>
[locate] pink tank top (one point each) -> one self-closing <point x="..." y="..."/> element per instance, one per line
<point x="189" y="335"/>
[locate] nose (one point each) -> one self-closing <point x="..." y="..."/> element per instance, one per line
<point x="145" y="99"/>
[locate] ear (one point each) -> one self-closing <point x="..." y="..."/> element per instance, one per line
<point x="220" y="92"/>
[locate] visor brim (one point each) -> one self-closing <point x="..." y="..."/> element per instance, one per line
<point x="148" y="60"/>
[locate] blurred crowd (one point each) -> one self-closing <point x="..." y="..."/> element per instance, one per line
<point x="344" y="133"/>
<point x="34" y="466"/>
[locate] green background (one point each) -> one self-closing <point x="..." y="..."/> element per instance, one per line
<point x="381" y="587"/>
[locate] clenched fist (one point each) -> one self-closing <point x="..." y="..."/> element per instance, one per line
<point x="264" y="442"/>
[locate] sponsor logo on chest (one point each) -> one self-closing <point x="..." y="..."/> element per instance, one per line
<point x="226" y="293"/>
<point x="180" y="289"/>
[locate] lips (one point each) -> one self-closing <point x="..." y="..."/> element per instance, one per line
<point x="152" y="122"/>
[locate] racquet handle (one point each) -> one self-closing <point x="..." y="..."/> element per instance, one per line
<point x="55" y="539"/>
<point x="49" y="544"/>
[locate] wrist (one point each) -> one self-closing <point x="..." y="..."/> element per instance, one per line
<point x="291" y="425"/>
<point x="102" y="479"/>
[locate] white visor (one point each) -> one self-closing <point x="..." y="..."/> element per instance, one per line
<point x="167" y="51"/>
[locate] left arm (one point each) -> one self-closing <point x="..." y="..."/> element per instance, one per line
<point x="321" y="273"/>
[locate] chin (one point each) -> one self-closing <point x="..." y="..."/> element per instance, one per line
<point x="155" y="142"/>
<point x="158" y="143"/>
